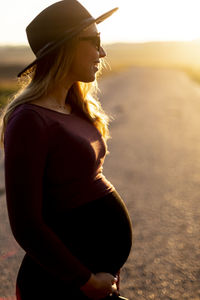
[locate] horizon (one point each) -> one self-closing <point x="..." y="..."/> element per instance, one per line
<point x="117" y="42"/>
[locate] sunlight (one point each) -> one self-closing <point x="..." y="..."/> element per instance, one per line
<point x="136" y="21"/>
<point x="154" y="20"/>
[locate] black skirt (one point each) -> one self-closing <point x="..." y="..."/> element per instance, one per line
<point x="101" y="238"/>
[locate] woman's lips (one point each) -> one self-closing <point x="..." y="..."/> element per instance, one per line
<point x="96" y="66"/>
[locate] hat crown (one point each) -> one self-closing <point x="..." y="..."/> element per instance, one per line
<point x="54" y="21"/>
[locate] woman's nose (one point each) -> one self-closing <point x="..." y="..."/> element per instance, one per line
<point x="102" y="52"/>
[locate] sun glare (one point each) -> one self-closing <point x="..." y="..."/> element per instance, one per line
<point x="154" y="20"/>
<point x="136" y="21"/>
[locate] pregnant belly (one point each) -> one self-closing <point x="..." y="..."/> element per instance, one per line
<point x="99" y="233"/>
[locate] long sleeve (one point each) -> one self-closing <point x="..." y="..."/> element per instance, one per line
<point x="26" y="152"/>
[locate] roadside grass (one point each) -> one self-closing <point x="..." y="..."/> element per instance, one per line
<point x="7" y="89"/>
<point x="192" y="71"/>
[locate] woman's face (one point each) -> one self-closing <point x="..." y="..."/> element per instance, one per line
<point x="87" y="56"/>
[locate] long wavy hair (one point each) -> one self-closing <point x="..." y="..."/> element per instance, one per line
<point x="48" y="72"/>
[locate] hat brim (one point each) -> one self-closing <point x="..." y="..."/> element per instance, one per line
<point x="68" y="35"/>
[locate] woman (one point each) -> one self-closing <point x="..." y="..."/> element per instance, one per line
<point x="71" y="222"/>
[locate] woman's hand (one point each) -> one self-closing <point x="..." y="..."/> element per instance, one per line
<point x="99" y="286"/>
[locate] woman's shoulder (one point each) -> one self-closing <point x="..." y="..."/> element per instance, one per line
<point x="30" y="116"/>
<point x="24" y="126"/>
<point x="25" y="113"/>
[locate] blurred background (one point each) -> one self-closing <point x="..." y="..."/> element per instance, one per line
<point x="152" y="91"/>
<point x="142" y="33"/>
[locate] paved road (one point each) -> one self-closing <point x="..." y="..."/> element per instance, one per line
<point x="154" y="163"/>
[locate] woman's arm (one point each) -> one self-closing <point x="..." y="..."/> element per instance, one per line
<point x="26" y="148"/>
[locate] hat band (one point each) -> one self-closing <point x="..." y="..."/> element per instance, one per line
<point x="68" y="34"/>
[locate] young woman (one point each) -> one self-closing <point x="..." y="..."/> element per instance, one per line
<point x="68" y="218"/>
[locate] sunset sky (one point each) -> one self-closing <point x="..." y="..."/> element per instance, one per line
<point x="135" y="21"/>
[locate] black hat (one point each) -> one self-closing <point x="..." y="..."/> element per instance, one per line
<point x="56" y="24"/>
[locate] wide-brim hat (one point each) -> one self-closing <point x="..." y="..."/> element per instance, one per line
<point x="56" y="24"/>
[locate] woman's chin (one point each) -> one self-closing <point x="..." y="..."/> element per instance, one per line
<point x="90" y="78"/>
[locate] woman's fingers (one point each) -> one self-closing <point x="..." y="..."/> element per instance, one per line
<point x="118" y="280"/>
<point x="114" y="289"/>
<point x="100" y="285"/>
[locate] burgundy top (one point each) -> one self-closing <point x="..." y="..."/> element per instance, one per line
<point x="44" y="144"/>
<point x="53" y="165"/>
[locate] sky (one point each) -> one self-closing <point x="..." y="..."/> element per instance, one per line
<point x="135" y="21"/>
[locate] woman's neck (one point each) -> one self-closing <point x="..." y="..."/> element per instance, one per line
<point x="58" y="94"/>
<point x="55" y="99"/>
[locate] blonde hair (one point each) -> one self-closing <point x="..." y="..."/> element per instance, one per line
<point x="37" y="81"/>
